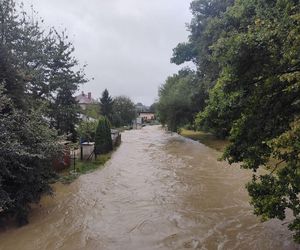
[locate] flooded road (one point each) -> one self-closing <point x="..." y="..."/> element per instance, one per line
<point x="159" y="191"/>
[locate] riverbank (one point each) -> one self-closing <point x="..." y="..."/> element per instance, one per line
<point x="205" y="138"/>
<point x="83" y="167"/>
<point x="212" y="141"/>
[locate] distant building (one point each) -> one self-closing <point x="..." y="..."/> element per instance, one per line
<point x="85" y="100"/>
<point x="147" y="116"/>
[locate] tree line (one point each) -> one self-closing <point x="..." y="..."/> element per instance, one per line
<point x="245" y="88"/>
<point x="119" y="111"/>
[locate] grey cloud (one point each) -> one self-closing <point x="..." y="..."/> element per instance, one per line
<point x="127" y="44"/>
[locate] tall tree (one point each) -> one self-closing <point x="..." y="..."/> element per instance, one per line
<point x="205" y="28"/>
<point x="106" y="103"/>
<point x="64" y="80"/>
<point x="123" y="111"/>
<point x="177" y="105"/>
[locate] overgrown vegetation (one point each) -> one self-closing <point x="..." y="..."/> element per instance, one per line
<point x="247" y="61"/>
<point x="205" y="138"/>
<point x="37" y="83"/>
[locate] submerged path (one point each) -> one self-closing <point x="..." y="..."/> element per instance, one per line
<point x="159" y="191"/>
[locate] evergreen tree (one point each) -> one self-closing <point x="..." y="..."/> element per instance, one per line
<point x="103" y="141"/>
<point x="106" y="104"/>
<point x="64" y="80"/>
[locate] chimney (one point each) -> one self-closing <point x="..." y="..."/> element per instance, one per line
<point x="90" y="96"/>
<point x="82" y="93"/>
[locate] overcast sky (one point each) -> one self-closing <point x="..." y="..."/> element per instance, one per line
<point x="127" y="44"/>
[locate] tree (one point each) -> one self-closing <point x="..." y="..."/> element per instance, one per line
<point x="92" y="110"/>
<point x="103" y="141"/>
<point x="106" y="104"/>
<point x="153" y="107"/>
<point x="177" y="106"/>
<point x="205" y="29"/>
<point x="37" y="67"/>
<point x="87" y="130"/>
<point x="247" y="58"/>
<point x="26" y="155"/>
<point x="64" y="109"/>
<point x="255" y="100"/>
<point x="123" y="111"/>
<point x="36" y="71"/>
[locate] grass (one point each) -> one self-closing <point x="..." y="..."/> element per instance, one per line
<point x="212" y="141"/>
<point x="83" y="167"/>
<point x="205" y="138"/>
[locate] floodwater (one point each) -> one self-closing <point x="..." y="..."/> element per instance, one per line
<point x="159" y="191"/>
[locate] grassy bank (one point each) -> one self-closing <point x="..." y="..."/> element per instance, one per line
<point x="83" y="167"/>
<point x="212" y="141"/>
<point x="207" y="139"/>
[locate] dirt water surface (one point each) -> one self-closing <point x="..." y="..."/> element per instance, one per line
<point x="159" y="191"/>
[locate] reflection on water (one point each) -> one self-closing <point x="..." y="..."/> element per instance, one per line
<point x="159" y="191"/>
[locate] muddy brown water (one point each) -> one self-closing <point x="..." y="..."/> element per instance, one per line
<point x="159" y="191"/>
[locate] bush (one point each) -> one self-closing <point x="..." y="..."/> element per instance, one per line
<point x="87" y="130"/>
<point x="26" y="155"/>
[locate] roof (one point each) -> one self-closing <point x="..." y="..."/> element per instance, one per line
<point x="85" y="99"/>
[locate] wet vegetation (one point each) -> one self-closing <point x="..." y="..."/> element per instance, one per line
<point x="83" y="167"/>
<point x="205" y="138"/>
<point x="246" y="87"/>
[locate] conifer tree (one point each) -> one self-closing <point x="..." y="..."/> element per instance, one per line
<point x="106" y="104"/>
<point x="103" y="141"/>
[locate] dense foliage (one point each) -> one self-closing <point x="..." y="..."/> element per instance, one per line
<point x="87" y="131"/>
<point x="247" y="57"/>
<point x="37" y="80"/>
<point x="92" y="111"/>
<point x="180" y="99"/>
<point x="103" y="141"/>
<point x="27" y="149"/>
<point x="123" y="111"/>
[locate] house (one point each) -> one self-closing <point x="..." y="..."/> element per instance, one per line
<point x="85" y="100"/>
<point x="147" y="116"/>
